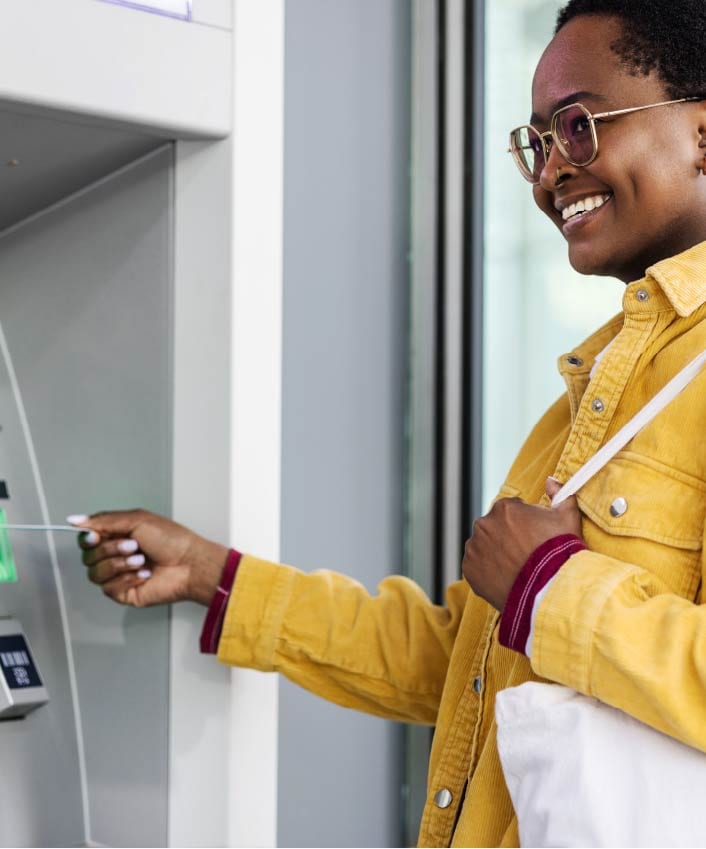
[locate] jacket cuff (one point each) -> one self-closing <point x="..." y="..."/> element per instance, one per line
<point x="213" y="625"/>
<point x="253" y="617"/>
<point x="541" y="566"/>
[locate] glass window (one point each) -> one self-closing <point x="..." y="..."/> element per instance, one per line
<point x="535" y="306"/>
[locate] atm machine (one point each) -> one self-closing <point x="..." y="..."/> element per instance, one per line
<point x="115" y="293"/>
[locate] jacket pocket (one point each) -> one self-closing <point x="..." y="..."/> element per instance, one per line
<point x="637" y="501"/>
<point x="639" y="496"/>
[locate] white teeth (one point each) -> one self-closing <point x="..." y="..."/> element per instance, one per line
<point x="585" y="205"/>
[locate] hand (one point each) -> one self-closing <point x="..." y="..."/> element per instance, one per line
<point x="503" y="540"/>
<point x="141" y="559"/>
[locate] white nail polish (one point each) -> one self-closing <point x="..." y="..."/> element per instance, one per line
<point x="92" y="538"/>
<point x="128" y="546"/>
<point x="78" y="519"/>
<point x="136" y="560"/>
<point x="144" y="574"/>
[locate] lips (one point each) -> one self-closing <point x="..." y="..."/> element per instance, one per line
<point x="584" y="205"/>
<point x="582" y="212"/>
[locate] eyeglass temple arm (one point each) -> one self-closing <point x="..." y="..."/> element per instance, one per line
<point x="641" y="108"/>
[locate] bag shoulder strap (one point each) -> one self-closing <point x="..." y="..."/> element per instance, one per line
<point x="654" y="406"/>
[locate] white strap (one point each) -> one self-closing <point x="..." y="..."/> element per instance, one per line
<point x="634" y="426"/>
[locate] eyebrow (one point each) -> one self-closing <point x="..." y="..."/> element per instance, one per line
<point x="566" y="101"/>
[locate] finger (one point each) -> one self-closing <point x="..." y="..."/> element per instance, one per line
<point x="107" y="570"/>
<point x="110" y="548"/>
<point x="552" y="486"/>
<point x="571" y="515"/>
<point x="116" y="523"/>
<point x="123" y="588"/>
<point x="569" y="505"/>
<point x="88" y="539"/>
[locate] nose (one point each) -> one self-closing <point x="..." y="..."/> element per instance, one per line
<point x="548" y="176"/>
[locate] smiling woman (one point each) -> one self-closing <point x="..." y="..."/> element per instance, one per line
<point x="582" y="59"/>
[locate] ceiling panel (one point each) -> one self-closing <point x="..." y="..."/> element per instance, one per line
<point x="45" y="157"/>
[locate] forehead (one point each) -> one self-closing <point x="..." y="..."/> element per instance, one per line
<point x="580" y="59"/>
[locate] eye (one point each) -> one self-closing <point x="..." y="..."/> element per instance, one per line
<point x="535" y="144"/>
<point x="579" y="124"/>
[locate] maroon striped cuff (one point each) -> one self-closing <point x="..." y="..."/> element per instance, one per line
<point x="212" y="627"/>
<point x="544" y="562"/>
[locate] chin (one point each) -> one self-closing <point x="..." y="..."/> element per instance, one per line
<point x="587" y="261"/>
<point x="601" y="260"/>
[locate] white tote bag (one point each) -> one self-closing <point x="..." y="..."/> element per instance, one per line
<point x="581" y="773"/>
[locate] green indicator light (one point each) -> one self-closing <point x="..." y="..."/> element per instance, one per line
<point x="8" y="572"/>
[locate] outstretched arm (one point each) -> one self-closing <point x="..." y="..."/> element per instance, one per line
<point x="386" y="653"/>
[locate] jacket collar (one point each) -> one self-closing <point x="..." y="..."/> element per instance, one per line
<point x="682" y="278"/>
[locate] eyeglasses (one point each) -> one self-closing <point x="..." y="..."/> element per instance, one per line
<point x="573" y="130"/>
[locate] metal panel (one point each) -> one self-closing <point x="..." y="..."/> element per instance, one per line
<point x="345" y="341"/>
<point x="425" y="360"/>
<point x="455" y="522"/>
<point x="474" y="242"/>
<point x="85" y="305"/>
<point x="199" y="711"/>
<point x="420" y="535"/>
<point x="40" y="771"/>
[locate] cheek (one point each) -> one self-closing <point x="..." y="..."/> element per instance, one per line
<point x="651" y="170"/>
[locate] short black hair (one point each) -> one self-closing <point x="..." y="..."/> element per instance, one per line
<point x="666" y="36"/>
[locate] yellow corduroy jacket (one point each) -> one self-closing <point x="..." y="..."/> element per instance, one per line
<point x="622" y="621"/>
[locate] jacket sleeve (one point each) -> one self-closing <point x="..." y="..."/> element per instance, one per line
<point x="386" y="654"/>
<point x="615" y="631"/>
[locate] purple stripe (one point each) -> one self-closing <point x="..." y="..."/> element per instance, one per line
<point x="215" y="616"/>
<point x="532" y="588"/>
<point x="541" y="566"/>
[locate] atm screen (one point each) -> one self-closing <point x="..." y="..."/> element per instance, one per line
<point x="17" y="664"/>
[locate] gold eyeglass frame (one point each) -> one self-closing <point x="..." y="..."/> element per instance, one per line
<point x="552" y="136"/>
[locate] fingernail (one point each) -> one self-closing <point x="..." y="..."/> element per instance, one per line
<point x="91" y="538"/>
<point x="136" y="560"/>
<point x="78" y="519"/>
<point x="552" y="478"/>
<point x="144" y="574"/>
<point x="127" y="546"/>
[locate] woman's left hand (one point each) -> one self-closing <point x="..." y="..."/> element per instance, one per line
<point x="503" y="540"/>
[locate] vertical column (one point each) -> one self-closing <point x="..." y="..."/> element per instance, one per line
<point x="258" y="145"/>
<point x="226" y="467"/>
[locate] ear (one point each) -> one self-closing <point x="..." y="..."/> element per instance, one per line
<point x="701" y="161"/>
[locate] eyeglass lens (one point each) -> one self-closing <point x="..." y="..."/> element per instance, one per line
<point x="572" y="133"/>
<point x="529" y="152"/>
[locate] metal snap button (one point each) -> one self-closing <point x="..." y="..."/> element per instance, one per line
<point x="598" y="406"/>
<point x="574" y="360"/>
<point x="443" y="798"/>
<point x="618" y="508"/>
<point x="642" y="295"/>
<point x="478" y="684"/>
